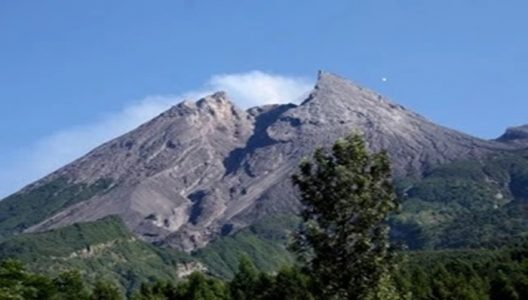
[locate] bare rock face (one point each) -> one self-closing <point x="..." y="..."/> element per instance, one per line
<point x="515" y="135"/>
<point x="208" y="168"/>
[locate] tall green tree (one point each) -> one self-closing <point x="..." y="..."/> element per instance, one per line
<point x="291" y="284"/>
<point x="18" y="283"/>
<point x="70" y="286"/>
<point x="502" y="288"/>
<point x="106" y="290"/>
<point x="243" y="286"/>
<point x="200" y="287"/>
<point x="347" y="195"/>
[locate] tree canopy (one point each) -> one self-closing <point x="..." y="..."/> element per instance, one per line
<point x="347" y="195"/>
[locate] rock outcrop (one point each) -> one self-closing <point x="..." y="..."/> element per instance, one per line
<point x="515" y="135"/>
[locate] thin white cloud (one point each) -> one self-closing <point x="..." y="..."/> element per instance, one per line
<point x="59" y="148"/>
<point x="257" y="88"/>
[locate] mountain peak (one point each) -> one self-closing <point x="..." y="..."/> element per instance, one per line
<point x="219" y="98"/>
<point x="332" y="80"/>
<point x="323" y="74"/>
<point x="337" y="94"/>
<point x="220" y="106"/>
<point x="205" y="167"/>
<point x="218" y="103"/>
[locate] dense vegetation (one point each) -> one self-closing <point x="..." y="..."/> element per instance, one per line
<point x="107" y="248"/>
<point x="466" y="204"/>
<point x="264" y="242"/>
<point x="16" y="283"/>
<point x="22" y="210"/>
<point x="469" y="274"/>
<point x="440" y="275"/>
<point x="102" y="249"/>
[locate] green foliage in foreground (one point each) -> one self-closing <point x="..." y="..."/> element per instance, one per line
<point x="248" y="284"/>
<point x="438" y="275"/>
<point x="16" y="283"/>
<point x="470" y="274"/>
<point x="102" y="249"/>
<point x="24" y="209"/>
<point x="347" y="195"/>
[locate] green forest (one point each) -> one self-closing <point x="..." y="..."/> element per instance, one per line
<point x="495" y="275"/>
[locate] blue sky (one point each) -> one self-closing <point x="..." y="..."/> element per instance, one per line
<point x="74" y="68"/>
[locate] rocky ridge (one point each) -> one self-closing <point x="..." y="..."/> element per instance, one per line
<point x="515" y="135"/>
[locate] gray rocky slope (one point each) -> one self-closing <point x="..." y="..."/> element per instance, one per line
<point x="515" y="135"/>
<point x="207" y="168"/>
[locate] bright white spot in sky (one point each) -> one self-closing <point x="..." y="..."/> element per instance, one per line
<point x="384" y="79"/>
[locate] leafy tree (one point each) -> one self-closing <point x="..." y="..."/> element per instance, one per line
<point x="245" y="281"/>
<point x="502" y="289"/>
<point x="70" y="286"/>
<point x="106" y="290"/>
<point x="156" y="291"/>
<point x="195" y="287"/>
<point x="17" y="283"/>
<point x="347" y="196"/>
<point x="291" y="284"/>
<point x="199" y="287"/>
